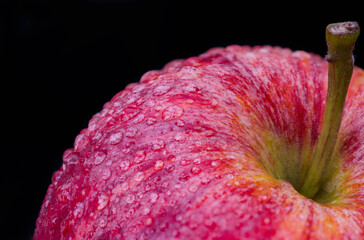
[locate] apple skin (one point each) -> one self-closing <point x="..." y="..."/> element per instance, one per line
<point x="180" y="155"/>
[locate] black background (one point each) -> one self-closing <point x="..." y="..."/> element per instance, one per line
<point x="66" y="59"/>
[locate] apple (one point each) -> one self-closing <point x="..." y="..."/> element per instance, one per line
<point x="237" y="143"/>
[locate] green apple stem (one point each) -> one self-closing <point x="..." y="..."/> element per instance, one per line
<point x="340" y="38"/>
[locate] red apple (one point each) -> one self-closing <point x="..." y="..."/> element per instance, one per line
<point x="217" y="146"/>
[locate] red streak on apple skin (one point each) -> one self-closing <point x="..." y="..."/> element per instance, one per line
<point x="176" y="155"/>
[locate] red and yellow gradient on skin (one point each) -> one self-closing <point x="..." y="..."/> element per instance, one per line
<point x="194" y="152"/>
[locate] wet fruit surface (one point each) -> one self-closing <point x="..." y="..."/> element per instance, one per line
<point x="186" y="154"/>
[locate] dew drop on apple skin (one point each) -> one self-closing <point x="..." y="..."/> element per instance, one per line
<point x="185" y="162"/>
<point x="70" y="157"/>
<point x="63" y="193"/>
<point x="150" y="103"/>
<point x="129" y="198"/>
<point x="150" y="121"/>
<point x="157" y="145"/>
<point x="180" y="123"/>
<point x="102" y="202"/>
<point x="139" y="176"/>
<point x="170" y="168"/>
<point x="172" y="113"/>
<point x="98" y="157"/>
<point x="193" y="187"/>
<point x="184" y="177"/>
<point x="106" y="173"/>
<point x="102" y="222"/>
<point x="196" y="170"/>
<point x="161" y="90"/>
<point x="190" y="88"/>
<point x="131" y="132"/>
<point x="129" y="213"/>
<point x="124" y="186"/>
<point x="153" y="197"/>
<point x="159" y="164"/>
<point x="79" y="209"/>
<point x="140" y="156"/>
<point x="146" y="211"/>
<point x="124" y="165"/>
<point x="179" y="137"/>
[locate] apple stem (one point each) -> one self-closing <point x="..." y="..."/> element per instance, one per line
<point x="340" y="38"/>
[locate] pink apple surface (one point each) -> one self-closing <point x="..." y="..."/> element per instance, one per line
<point x="213" y="147"/>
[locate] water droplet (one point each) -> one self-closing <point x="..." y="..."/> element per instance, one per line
<point x="150" y="121"/>
<point x="140" y="156"/>
<point x="230" y="176"/>
<point x="209" y="133"/>
<point x="266" y="220"/>
<point x="55" y="222"/>
<point x="120" y="188"/>
<point x="146" y="210"/>
<point x="139" y="176"/>
<point x="138" y="88"/>
<point x="158" y="108"/>
<point x="81" y="140"/>
<point x="124" y="186"/>
<point x="106" y="173"/>
<point x="183" y="177"/>
<point x="56" y="177"/>
<point x="190" y="88"/>
<point x="159" y="164"/>
<point x="179" y="137"/>
<point x="129" y="198"/>
<point x="215" y="164"/>
<point x="70" y="157"/>
<point x="193" y="187"/>
<point x="78" y="212"/>
<point x="172" y="113"/>
<point x="131" y="132"/>
<point x="153" y="197"/>
<point x="124" y="165"/>
<point x="205" y="180"/>
<point x="102" y="202"/>
<point x="95" y="136"/>
<point x="102" y="222"/>
<point x="157" y="144"/>
<point x="129" y="113"/>
<point x="63" y="193"/>
<point x="149" y="221"/>
<point x="116" y="137"/>
<point x="170" y="168"/>
<point x="129" y="212"/>
<point x="150" y="103"/>
<point x="98" y="157"/>
<point x="197" y="161"/>
<point x="196" y="170"/>
<point x="138" y="119"/>
<point x="185" y="162"/>
<point x="161" y="89"/>
<point x="127" y="147"/>
<point x="92" y="125"/>
<point x="180" y="123"/>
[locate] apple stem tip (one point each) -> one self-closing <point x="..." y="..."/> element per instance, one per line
<point x="340" y="39"/>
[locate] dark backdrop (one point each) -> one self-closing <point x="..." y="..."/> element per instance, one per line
<point x="66" y="59"/>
